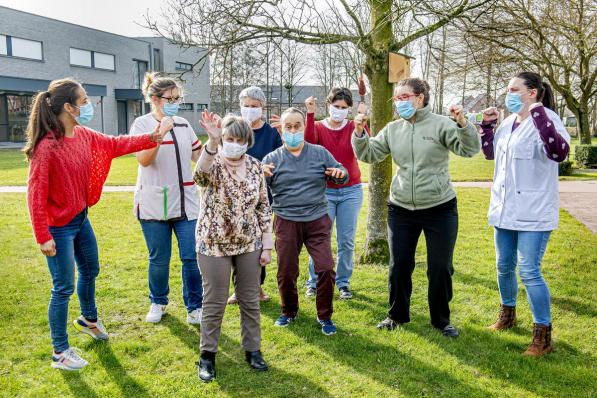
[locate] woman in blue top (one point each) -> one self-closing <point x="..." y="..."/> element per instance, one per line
<point x="267" y="139"/>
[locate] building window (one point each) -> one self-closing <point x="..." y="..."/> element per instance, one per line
<point x="22" y="48"/>
<point x="157" y="60"/>
<point x="103" y="61"/>
<point x="19" y="107"/>
<point x="139" y="73"/>
<point x="3" y="46"/>
<point x="185" y="107"/>
<point x="80" y="57"/>
<point x="183" y="66"/>
<point x="91" y="59"/>
<point x="201" y="107"/>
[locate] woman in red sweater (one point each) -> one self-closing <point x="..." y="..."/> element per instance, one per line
<point x="344" y="201"/>
<point x="68" y="165"/>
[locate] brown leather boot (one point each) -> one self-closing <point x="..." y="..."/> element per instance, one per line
<point x="506" y="319"/>
<point x="541" y="341"/>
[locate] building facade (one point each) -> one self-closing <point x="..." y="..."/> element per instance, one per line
<point x="35" y="50"/>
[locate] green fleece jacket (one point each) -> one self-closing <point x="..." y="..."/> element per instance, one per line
<point x="421" y="151"/>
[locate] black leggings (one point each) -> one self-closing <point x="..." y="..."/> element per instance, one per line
<point x="440" y="226"/>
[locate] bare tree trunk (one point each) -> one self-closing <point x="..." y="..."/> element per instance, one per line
<point x="380" y="174"/>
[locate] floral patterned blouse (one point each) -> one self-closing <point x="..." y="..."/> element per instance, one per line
<point x="235" y="215"/>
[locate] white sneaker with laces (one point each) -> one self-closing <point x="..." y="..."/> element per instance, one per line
<point x="96" y="330"/>
<point x="194" y="317"/>
<point x="68" y="360"/>
<point x="156" y="311"/>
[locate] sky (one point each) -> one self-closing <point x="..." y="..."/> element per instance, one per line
<point x="117" y="16"/>
<point x="123" y="17"/>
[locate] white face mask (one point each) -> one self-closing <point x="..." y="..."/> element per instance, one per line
<point x="250" y="114"/>
<point x="338" y="115"/>
<point x="233" y="150"/>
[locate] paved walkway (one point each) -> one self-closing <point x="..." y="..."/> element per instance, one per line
<point x="579" y="198"/>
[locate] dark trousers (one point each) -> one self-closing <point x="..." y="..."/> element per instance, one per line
<point x="316" y="236"/>
<point x="440" y="226"/>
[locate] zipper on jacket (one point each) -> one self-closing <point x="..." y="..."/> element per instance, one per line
<point x="412" y="169"/>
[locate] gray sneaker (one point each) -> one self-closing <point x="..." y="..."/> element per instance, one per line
<point x="311" y="292"/>
<point x="345" y="293"/>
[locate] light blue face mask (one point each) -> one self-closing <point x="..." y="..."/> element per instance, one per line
<point x="170" y="109"/>
<point x="405" y="109"/>
<point x="514" y="102"/>
<point x="85" y="113"/>
<point x="293" y="140"/>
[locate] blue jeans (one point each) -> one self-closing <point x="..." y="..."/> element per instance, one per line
<point x="75" y="242"/>
<point x="158" y="237"/>
<point x="344" y="205"/>
<point x="526" y="249"/>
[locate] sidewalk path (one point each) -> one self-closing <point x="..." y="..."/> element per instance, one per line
<point x="579" y="198"/>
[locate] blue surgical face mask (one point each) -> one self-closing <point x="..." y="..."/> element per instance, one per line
<point x="85" y="113"/>
<point x="514" y="102"/>
<point x="293" y="140"/>
<point x="405" y="109"/>
<point x="170" y="109"/>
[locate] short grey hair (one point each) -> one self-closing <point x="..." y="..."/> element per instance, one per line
<point x="237" y="127"/>
<point x="252" y="92"/>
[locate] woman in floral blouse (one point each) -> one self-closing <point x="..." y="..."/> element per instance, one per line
<point x="233" y="230"/>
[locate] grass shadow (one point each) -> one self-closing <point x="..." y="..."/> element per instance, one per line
<point x="127" y="385"/>
<point x="78" y="387"/>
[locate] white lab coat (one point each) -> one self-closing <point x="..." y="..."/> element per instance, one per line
<point x="524" y="194"/>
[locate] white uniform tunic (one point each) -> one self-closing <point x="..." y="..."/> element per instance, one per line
<point x="165" y="189"/>
<point x="524" y="194"/>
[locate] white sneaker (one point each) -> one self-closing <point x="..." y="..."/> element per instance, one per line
<point x="96" y="330"/>
<point x="194" y="317"/>
<point x="156" y="311"/>
<point x="68" y="360"/>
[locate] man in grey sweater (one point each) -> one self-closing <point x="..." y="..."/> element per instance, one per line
<point x="297" y="174"/>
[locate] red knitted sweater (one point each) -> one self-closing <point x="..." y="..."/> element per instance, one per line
<point x="67" y="175"/>
<point x="338" y="142"/>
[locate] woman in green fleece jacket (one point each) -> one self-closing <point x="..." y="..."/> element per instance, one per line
<point x="422" y="197"/>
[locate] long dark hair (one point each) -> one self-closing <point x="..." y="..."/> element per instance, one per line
<point x="533" y="80"/>
<point x="46" y="108"/>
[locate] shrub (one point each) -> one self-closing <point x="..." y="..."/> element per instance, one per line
<point x="585" y="155"/>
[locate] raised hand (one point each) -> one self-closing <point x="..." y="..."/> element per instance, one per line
<point x="48" y="248"/>
<point x="334" y="172"/>
<point x="310" y="104"/>
<point x="157" y="136"/>
<point x="275" y="123"/>
<point x="268" y="169"/>
<point x="490" y="114"/>
<point x="457" y="112"/>
<point x="212" y="123"/>
<point x="360" y="120"/>
<point x="166" y="124"/>
<point x="362" y="108"/>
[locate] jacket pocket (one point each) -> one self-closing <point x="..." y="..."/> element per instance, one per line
<point x="154" y="202"/>
<point x="532" y="206"/>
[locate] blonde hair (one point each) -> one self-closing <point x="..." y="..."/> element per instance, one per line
<point x="156" y="84"/>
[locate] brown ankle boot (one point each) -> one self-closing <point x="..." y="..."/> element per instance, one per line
<point x="506" y="319"/>
<point x="541" y="341"/>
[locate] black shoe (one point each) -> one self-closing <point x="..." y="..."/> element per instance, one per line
<point x="449" y="331"/>
<point x="256" y="361"/>
<point x="207" y="366"/>
<point x="388" y="324"/>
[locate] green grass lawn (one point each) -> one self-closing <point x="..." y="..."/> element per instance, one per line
<point x="145" y="360"/>
<point x="13" y="169"/>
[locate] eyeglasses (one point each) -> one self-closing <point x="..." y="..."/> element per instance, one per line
<point x="404" y="97"/>
<point x="172" y="100"/>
